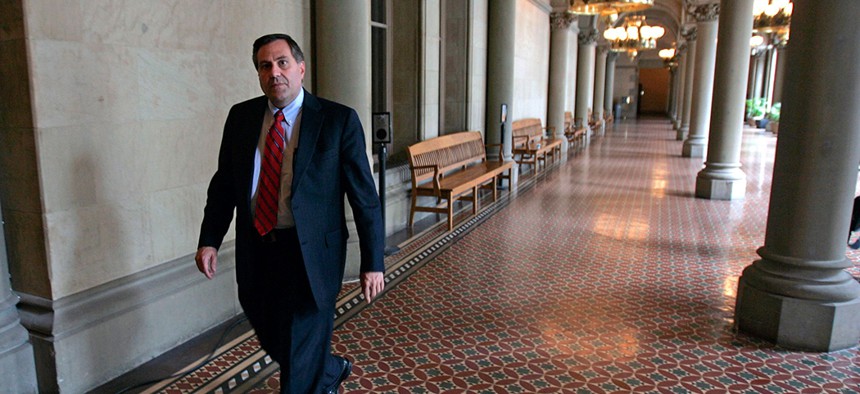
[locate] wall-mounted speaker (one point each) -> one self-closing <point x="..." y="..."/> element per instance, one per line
<point x="381" y="133"/>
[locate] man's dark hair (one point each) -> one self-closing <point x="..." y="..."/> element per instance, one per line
<point x="294" y="47"/>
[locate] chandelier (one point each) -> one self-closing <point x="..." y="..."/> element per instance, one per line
<point x="668" y="56"/>
<point x="772" y="16"/>
<point x="607" y="7"/>
<point x="633" y="36"/>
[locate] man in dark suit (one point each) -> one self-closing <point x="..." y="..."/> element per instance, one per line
<point x="286" y="161"/>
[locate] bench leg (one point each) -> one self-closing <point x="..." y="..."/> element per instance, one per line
<point x="450" y="214"/>
<point x="475" y="200"/>
<point x="495" y="188"/>
<point x="412" y="210"/>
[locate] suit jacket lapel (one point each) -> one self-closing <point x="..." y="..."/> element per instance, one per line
<point x="249" y="139"/>
<point x="309" y="132"/>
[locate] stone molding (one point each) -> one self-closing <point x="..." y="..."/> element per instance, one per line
<point x="64" y="317"/>
<point x="560" y="21"/>
<point x="689" y="33"/>
<point x="706" y="12"/>
<point x="588" y="37"/>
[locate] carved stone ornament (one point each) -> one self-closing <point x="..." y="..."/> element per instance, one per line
<point x="588" y="37"/>
<point x="560" y="20"/>
<point x="707" y="12"/>
<point x="689" y="34"/>
<point x="611" y="56"/>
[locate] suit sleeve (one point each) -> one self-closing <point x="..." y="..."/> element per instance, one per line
<point x="362" y="196"/>
<point x="220" y="203"/>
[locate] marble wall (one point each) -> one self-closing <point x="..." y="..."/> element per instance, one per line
<point x="531" y="70"/>
<point x="129" y="100"/>
<point x="477" y="92"/>
<point x="431" y="68"/>
<point x="112" y="114"/>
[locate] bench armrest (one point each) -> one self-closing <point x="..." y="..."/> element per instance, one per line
<point x="436" y="177"/>
<point x="520" y="140"/>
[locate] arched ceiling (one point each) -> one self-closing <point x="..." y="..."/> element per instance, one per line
<point x="666" y="13"/>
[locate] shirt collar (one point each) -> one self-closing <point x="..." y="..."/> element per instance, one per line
<point x="291" y="111"/>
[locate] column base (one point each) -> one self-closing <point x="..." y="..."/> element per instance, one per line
<point x="694" y="148"/>
<point x="682" y="134"/>
<point x="721" y="184"/>
<point x="796" y="323"/>
<point x="17" y="363"/>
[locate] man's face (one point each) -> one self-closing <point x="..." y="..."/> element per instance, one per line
<point x="280" y="75"/>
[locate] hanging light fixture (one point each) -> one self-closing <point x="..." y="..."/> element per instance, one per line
<point x="772" y="16"/>
<point x="668" y="56"/>
<point x="607" y="7"/>
<point x="633" y="35"/>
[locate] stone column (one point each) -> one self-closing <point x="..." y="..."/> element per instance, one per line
<point x="600" y="85"/>
<point x="769" y="73"/>
<point x="722" y="178"/>
<point x="780" y="72"/>
<point x="798" y="294"/>
<point x="673" y="92"/>
<point x="682" y="82"/>
<point x="751" y="76"/>
<point x="703" y="85"/>
<point x="342" y="59"/>
<point x="758" y="76"/>
<point x="585" y="76"/>
<point x="609" y="89"/>
<point x="500" y="71"/>
<point x="689" y="73"/>
<point x="17" y="364"/>
<point x="600" y="80"/>
<point x="558" y="55"/>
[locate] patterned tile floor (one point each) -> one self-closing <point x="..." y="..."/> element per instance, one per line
<point x="606" y="276"/>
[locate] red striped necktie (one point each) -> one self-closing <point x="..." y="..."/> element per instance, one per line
<point x="266" y="215"/>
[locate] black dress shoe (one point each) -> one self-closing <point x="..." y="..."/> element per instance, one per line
<point x="346" y="369"/>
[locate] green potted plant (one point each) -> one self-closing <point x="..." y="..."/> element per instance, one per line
<point x="773" y="117"/>
<point x="755" y="110"/>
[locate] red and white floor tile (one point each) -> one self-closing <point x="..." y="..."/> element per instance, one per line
<point x="608" y="276"/>
<point x="605" y="276"/>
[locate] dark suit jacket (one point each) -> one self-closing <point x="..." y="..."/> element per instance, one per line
<point x="330" y="162"/>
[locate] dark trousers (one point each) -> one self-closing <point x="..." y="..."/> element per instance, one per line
<point x="288" y="323"/>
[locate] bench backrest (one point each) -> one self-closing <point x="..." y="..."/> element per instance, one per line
<point x="449" y="152"/>
<point x="525" y="129"/>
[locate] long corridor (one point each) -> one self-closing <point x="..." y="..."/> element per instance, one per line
<point x="606" y="276"/>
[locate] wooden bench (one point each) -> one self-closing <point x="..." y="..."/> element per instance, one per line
<point x="594" y="122"/>
<point x="530" y="145"/>
<point x="575" y="136"/>
<point x="452" y="167"/>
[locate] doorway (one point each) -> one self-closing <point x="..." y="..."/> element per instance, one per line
<point x="654" y="91"/>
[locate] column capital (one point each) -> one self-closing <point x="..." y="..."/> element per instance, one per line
<point x="588" y="37"/>
<point x="705" y="12"/>
<point x="689" y="33"/>
<point x="560" y="20"/>
<point x="611" y="56"/>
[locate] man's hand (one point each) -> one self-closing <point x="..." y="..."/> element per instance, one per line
<point x="207" y="260"/>
<point x="372" y="284"/>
